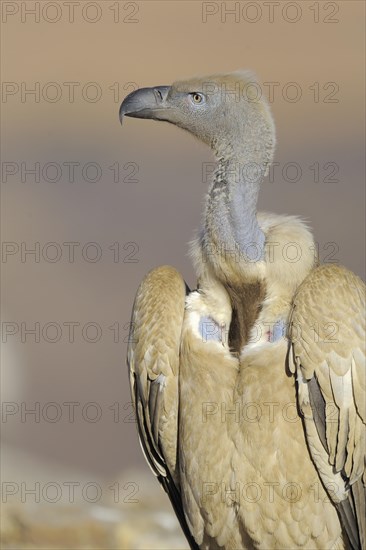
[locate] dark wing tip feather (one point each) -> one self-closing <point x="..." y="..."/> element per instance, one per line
<point x="176" y="501"/>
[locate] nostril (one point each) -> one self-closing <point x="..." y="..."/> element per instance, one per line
<point x="161" y="93"/>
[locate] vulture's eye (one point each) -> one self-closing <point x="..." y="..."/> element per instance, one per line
<point x="197" y="97"/>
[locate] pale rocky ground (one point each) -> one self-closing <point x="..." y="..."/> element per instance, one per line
<point x="146" y="524"/>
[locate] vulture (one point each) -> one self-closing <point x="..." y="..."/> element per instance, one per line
<point x="249" y="391"/>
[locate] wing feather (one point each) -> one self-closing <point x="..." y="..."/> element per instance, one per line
<point x="153" y="360"/>
<point x="329" y="356"/>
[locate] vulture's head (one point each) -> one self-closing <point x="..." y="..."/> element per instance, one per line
<point x="221" y="110"/>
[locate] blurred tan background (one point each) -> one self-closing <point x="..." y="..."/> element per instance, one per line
<point x="127" y="199"/>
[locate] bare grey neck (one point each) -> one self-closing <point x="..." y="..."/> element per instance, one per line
<point x="231" y="209"/>
<point x="242" y="161"/>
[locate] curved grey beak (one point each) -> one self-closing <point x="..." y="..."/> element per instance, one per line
<point x="145" y="103"/>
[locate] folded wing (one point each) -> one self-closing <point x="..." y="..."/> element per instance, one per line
<point x="328" y="344"/>
<point x="153" y="360"/>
